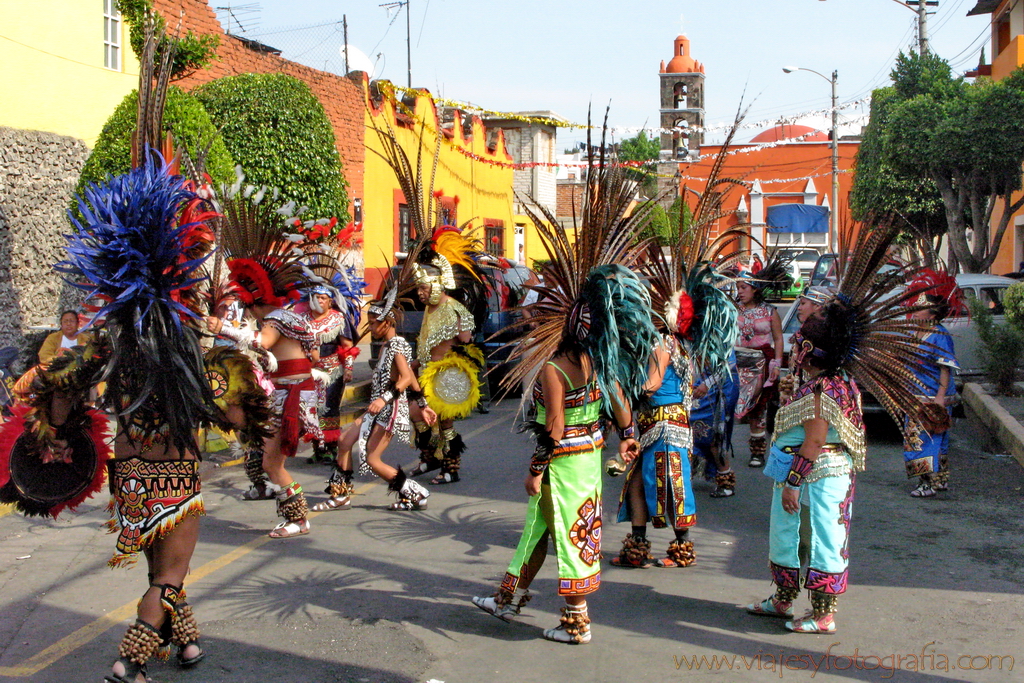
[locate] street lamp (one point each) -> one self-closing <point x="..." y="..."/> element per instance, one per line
<point x="834" y="231"/>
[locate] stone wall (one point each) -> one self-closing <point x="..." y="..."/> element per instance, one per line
<point x="38" y="173"/>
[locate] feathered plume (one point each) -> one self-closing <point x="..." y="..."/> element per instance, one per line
<point x="264" y="256"/>
<point x="872" y="337"/>
<point x="605" y="238"/>
<point x="130" y="250"/>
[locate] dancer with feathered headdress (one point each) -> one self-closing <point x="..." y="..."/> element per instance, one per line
<point x="759" y="352"/>
<point x="859" y="336"/>
<point x="269" y="270"/>
<point x="697" y="322"/>
<point x="925" y="454"/>
<point x="447" y="364"/>
<point x="392" y="386"/>
<point x="592" y="338"/>
<point x="137" y="244"/>
<point x="334" y="312"/>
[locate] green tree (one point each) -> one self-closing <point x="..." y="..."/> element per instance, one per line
<point x="641" y="148"/>
<point x="879" y="188"/>
<point x="664" y="225"/>
<point x="967" y="139"/>
<point x="278" y="132"/>
<point x="184" y="117"/>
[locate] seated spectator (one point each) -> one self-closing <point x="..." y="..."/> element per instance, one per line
<point x="65" y="338"/>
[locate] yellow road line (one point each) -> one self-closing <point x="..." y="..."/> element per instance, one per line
<point x="65" y="646"/>
<point x="6" y="509"/>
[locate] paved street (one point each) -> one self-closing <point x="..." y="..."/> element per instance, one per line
<point x="377" y="596"/>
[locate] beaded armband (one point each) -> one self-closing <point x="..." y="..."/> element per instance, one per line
<point x="798" y="471"/>
<point x="628" y="432"/>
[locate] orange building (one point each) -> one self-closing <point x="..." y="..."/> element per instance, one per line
<point x="1007" y="55"/>
<point x="790" y="172"/>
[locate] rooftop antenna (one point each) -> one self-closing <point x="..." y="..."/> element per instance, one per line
<point x="232" y="16"/>
<point x="408" y="32"/>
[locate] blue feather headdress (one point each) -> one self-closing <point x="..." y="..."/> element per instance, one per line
<point x="129" y="248"/>
<point x="133" y="250"/>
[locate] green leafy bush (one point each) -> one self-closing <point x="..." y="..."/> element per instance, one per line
<point x="184" y="116"/>
<point x="1002" y="347"/>
<point x="277" y="130"/>
<point x="1014" y="305"/>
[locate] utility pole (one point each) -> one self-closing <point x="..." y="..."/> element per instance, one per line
<point x="408" y="43"/>
<point x="922" y="25"/>
<point x="834" y="227"/>
<point x="922" y="20"/>
<point x="344" y="25"/>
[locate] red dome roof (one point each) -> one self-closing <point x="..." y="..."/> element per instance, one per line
<point x="788" y="131"/>
<point x="683" y="62"/>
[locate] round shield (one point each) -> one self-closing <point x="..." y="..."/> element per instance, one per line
<point x="453" y="385"/>
<point x="53" y="483"/>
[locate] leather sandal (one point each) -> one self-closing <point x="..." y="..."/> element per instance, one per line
<point x="770" y="607"/>
<point x="810" y="624"/>
<point x="923" y="491"/>
<point x="188" y="662"/>
<point x="445" y="478"/>
<point x="131" y="673"/>
<point x="343" y="503"/>
<point x="289" y="529"/>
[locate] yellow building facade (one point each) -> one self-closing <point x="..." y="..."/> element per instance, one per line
<point x="472" y="181"/>
<point x="66" y="66"/>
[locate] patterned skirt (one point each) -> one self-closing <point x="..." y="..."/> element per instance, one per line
<point x="568" y="509"/>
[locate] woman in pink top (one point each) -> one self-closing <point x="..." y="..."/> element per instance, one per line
<point x="758" y="357"/>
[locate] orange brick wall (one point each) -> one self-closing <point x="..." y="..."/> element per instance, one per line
<point x="341" y="97"/>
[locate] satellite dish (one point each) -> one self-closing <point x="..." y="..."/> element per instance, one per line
<point x="357" y="59"/>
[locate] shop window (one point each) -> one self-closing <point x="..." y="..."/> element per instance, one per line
<point x="494" y="234"/>
<point x="404" y="228"/>
<point x="111" y="35"/>
<point x="446" y="211"/>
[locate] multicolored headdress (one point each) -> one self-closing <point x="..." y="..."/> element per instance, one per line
<point x="939" y="291"/>
<point x="819" y="294"/>
<point x="131" y="250"/>
<point x="266" y="262"/>
<point x="863" y="329"/>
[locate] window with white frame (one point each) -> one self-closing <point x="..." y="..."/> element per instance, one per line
<point x="111" y="35"/>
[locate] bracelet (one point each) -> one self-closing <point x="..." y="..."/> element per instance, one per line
<point x="774" y="363"/>
<point x="388" y="396"/>
<point x="628" y="432"/>
<point x="798" y="471"/>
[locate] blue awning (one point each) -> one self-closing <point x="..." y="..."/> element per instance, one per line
<point x="797" y="218"/>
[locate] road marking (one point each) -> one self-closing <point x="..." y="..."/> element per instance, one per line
<point x="65" y="646"/>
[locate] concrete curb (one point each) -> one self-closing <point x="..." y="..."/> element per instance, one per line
<point x="1004" y="426"/>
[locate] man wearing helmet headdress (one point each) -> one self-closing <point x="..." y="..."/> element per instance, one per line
<point x="447" y="370"/>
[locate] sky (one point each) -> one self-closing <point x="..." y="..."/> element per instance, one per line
<point x="564" y="55"/>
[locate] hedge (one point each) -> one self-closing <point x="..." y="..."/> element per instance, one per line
<point x="184" y="116"/>
<point x="279" y="134"/>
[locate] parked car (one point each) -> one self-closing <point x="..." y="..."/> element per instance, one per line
<point x="505" y="286"/>
<point x="990" y="289"/>
<point x="803" y="257"/>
